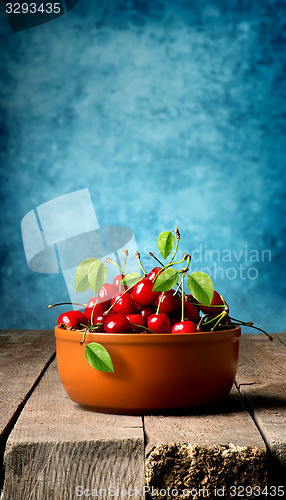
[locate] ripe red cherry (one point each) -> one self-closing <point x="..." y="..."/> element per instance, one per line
<point x="190" y="312"/>
<point x="136" y="319"/>
<point x="72" y="320"/>
<point x="124" y="304"/>
<point x="101" y="318"/>
<point x="97" y="310"/>
<point x="216" y="301"/>
<point x="117" y="323"/>
<point x="146" y="312"/>
<point x="118" y="282"/>
<point x="136" y="305"/>
<point x="152" y="275"/>
<point x="159" y="323"/>
<point x="143" y="292"/>
<point x="193" y="301"/>
<point x="169" y="303"/>
<point x="184" y="327"/>
<point x="106" y="293"/>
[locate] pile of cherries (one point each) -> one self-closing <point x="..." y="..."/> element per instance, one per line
<point x="148" y="304"/>
<point x="139" y="309"/>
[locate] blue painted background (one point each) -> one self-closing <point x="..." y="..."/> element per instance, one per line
<point x="171" y="113"/>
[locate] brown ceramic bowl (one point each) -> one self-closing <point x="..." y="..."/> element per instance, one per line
<point x="151" y="371"/>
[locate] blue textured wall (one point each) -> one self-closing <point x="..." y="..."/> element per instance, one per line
<point x="171" y="113"/>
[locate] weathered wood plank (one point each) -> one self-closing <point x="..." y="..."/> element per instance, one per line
<point x="23" y="357"/>
<point x="281" y="337"/>
<point x="57" y="446"/>
<point x="262" y="382"/>
<point x="205" y="449"/>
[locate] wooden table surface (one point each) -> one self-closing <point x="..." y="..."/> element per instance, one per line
<point x="52" y="449"/>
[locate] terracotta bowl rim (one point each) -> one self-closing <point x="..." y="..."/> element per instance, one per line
<point x="151" y="337"/>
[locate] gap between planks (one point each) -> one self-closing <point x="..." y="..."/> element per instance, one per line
<point x="261" y="382"/>
<point x="57" y="446"/>
<point x="24" y="357"/>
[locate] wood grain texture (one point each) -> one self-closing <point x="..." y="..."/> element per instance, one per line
<point x="57" y="446"/>
<point x="261" y="380"/>
<point x="23" y="356"/>
<point x="207" y="448"/>
<point x="281" y="337"/>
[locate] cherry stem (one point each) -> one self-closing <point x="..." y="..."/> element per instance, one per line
<point x="250" y="324"/>
<point x="125" y="259"/>
<point x="226" y="308"/>
<point x="186" y="257"/>
<point x="210" y="320"/>
<point x="92" y="312"/>
<point x="66" y="303"/>
<point x="140" y="263"/>
<point x="161" y="298"/>
<point x="123" y="293"/>
<point x="178" y="287"/>
<point x="154" y="257"/>
<point x="201" y="323"/>
<point x="175" y="263"/>
<point x="183" y="296"/>
<point x="110" y="261"/>
<point x="141" y="326"/>
<point x="91" y="327"/>
<point x="220" y="317"/>
<point x="83" y="337"/>
<point x="177" y="233"/>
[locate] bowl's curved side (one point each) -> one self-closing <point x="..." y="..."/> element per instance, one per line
<point x="151" y="372"/>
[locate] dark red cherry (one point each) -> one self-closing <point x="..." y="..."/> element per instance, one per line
<point x="122" y="303"/>
<point x="191" y="299"/>
<point x="190" y="312"/>
<point x="136" y="319"/>
<point x="106" y="293"/>
<point x="184" y="327"/>
<point x="155" y="271"/>
<point x="213" y="310"/>
<point x="159" y="323"/>
<point x="143" y="292"/>
<point x="170" y="303"/>
<point x="117" y="323"/>
<point x="146" y="311"/>
<point x="72" y="320"/>
<point x="212" y="323"/>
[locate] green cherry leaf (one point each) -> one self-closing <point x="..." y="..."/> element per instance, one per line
<point x="96" y="275"/>
<point x="131" y="279"/>
<point x="166" y="280"/>
<point x="81" y="276"/>
<point x="201" y="287"/>
<point x="166" y="242"/>
<point x="98" y="357"/>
